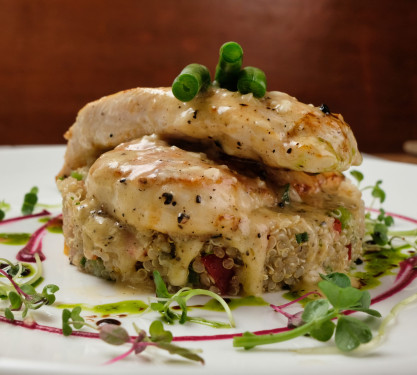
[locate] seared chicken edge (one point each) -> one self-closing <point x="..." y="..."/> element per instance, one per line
<point x="277" y="130"/>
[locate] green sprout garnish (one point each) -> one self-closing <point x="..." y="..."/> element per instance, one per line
<point x="317" y="318"/>
<point x="30" y="201"/>
<point x="376" y="191"/>
<point x="358" y="176"/>
<point x="158" y="336"/>
<point x="165" y="300"/>
<point x="72" y="318"/>
<point x="376" y="228"/>
<point x="116" y="335"/>
<point x="23" y="296"/>
<point x="4" y="207"/>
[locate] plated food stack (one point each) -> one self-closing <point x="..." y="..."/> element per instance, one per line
<point x="229" y="192"/>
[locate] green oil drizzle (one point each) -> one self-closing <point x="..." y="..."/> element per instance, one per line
<point x="138" y="306"/>
<point x="130" y="307"/>
<point x="378" y="264"/>
<point x="54" y="225"/>
<point x="127" y="307"/>
<point x="54" y="229"/>
<point x="14" y="238"/>
<point x="234" y="303"/>
<point x="27" y="271"/>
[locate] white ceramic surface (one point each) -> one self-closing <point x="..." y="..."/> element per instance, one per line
<point x="24" y="351"/>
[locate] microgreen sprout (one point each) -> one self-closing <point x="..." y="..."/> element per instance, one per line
<point x="72" y="319"/>
<point x="23" y="296"/>
<point x="165" y="299"/>
<point x="294" y="320"/>
<point x="318" y="315"/>
<point x="376" y="191"/>
<point x="158" y="337"/>
<point x="29" y="201"/>
<point x="376" y="228"/>
<point x="358" y="176"/>
<point x="116" y="335"/>
<point x="4" y="207"/>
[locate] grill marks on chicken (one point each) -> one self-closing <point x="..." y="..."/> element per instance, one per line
<point x="277" y="130"/>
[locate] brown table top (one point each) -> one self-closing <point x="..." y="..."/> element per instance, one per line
<point x="402" y="157"/>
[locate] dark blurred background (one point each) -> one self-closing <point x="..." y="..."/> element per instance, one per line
<point x="357" y="56"/>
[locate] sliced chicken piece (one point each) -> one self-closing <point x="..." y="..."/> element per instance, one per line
<point x="276" y="130"/>
<point x="153" y="186"/>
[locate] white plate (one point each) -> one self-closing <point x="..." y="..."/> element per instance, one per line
<point x="35" y="352"/>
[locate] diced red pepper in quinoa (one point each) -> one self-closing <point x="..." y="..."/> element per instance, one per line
<point x="349" y="247"/>
<point x="220" y="275"/>
<point x="337" y="225"/>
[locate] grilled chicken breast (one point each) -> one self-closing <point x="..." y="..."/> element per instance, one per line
<point x="152" y="185"/>
<point x="276" y="130"/>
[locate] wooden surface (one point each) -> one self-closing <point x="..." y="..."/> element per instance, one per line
<point x="357" y="56"/>
<point x="404" y="158"/>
